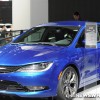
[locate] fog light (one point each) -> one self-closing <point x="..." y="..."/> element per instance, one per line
<point x="36" y="88"/>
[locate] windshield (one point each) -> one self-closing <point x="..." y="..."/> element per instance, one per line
<point x="49" y="35"/>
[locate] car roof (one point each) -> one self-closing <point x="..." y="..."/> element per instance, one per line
<point x="64" y="23"/>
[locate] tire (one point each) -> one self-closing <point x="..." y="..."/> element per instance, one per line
<point x="68" y="84"/>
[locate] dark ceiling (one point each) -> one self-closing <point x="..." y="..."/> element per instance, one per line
<point x="63" y="9"/>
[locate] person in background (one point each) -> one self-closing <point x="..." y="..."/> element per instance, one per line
<point x="9" y="35"/>
<point x="3" y="31"/>
<point x="76" y="16"/>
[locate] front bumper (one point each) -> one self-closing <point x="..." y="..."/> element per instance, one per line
<point x="45" y="79"/>
<point x="38" y="94"/>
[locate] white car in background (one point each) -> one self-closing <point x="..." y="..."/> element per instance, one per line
<point x="8" y="26"/>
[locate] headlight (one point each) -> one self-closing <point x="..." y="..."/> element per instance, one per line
<point x="35" y="67"/>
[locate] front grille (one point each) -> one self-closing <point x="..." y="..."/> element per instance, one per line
<point x="7" y="69"/>
<point x="11" y="86"/>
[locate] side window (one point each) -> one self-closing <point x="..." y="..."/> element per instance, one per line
<point x="82" y="38"/>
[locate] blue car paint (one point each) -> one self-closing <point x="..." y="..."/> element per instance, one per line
<point x="61" y="56"/>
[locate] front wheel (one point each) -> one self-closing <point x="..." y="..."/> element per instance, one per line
<point x="68" y="84"/>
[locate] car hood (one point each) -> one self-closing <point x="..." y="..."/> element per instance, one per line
<point x="15" y="55"/>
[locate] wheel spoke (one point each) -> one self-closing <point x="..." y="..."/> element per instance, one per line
<point x="66" y="93"/>
<point x="70" y="75"/>
<point x="73" y="79"/>
<point x="64" y="86"/>
<point x="72" y="91"/>
<point x="64" y="80"/>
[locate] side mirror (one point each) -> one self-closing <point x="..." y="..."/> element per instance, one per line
<point x="81" y="43"/>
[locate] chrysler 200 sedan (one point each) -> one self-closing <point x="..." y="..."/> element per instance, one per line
<point x="49" y="60"/>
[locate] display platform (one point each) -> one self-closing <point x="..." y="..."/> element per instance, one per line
<point x="92" y="93"/>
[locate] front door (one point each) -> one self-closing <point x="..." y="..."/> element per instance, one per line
<point x="89" y="63"/>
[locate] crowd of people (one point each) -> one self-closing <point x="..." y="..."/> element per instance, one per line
<point x="5" y="36"/>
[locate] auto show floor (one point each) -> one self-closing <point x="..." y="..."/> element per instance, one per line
<point x="92" y="93"/>
<point x="11" y="98"/>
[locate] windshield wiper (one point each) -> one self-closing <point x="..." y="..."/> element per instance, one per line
<point x="45" y="43"/>
<point x="41" y="43"/>
<point x="18" y="43"/>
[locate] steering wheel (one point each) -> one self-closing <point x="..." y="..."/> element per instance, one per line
<point x="68" y="37"/>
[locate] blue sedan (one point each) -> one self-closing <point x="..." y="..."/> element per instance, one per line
<point x="49" y="60"/>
